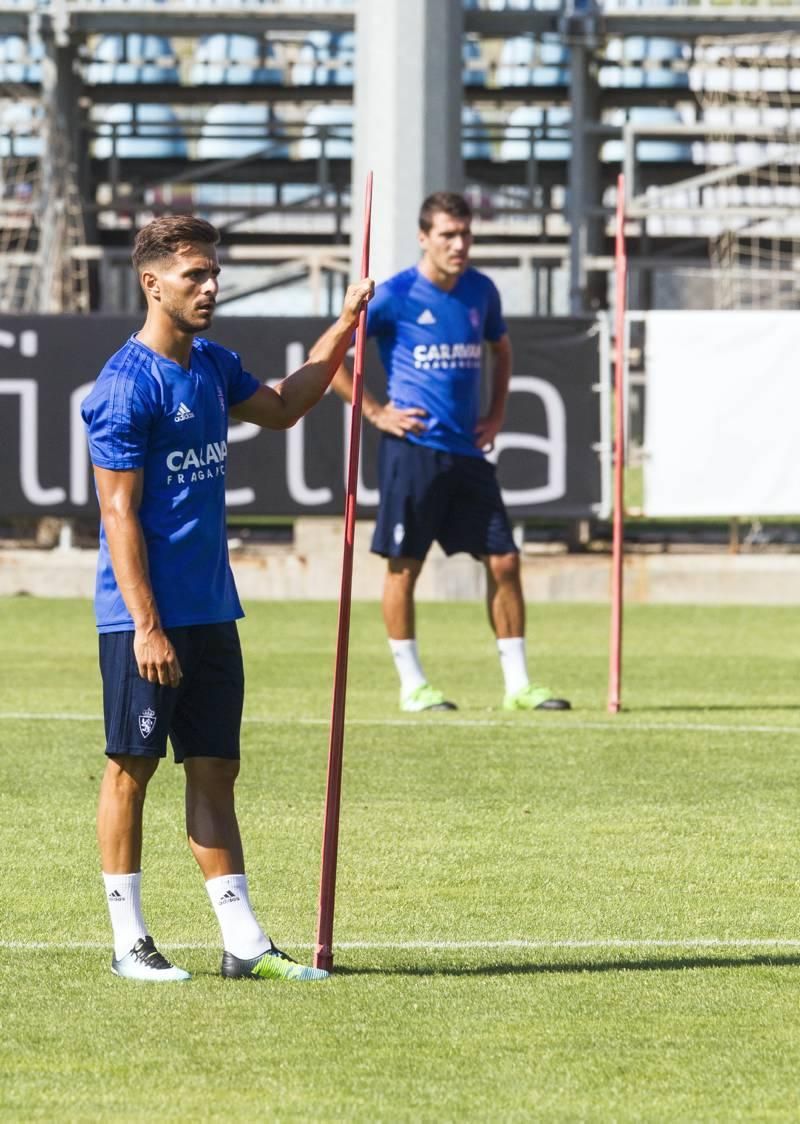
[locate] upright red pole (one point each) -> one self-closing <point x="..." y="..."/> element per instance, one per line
<point x="621" y="272"/>
<point x="323" y="954"/>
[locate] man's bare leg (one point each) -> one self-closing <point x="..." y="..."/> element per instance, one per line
<point x="119" y="836"/>
<point x="399" y="617"/>
<point x="504" y="600"/>
<point x="216" y="843"/>
<point x="506" y="608"/>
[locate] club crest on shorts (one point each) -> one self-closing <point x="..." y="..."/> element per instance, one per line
<point x="147" y="722"/>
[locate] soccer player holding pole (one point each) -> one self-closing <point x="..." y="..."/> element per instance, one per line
<point x="431" y="322"/>
<point x="166" y="603"/>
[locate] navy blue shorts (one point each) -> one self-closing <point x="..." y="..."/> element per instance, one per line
<point x="202" y="716"/>
<point x="427" y="495"/>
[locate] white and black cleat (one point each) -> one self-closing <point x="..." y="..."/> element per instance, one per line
<point x="145" y="962"/>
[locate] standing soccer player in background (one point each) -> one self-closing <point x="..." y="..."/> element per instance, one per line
<point x="166" y="603"/>
<point x="430" y="322"/>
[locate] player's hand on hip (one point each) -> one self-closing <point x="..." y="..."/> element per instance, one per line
<point x="399" y="421"/>
<point x="486" y="431"/>
<point x="156" y="658"/>
<point x="356" y="298"/>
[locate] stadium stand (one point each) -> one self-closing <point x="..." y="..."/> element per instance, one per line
<point x="248" y="110"/>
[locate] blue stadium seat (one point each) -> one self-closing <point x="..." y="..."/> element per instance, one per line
<point x="233" y="60"/>
<point x="231" y="131"/>
<point x="132" y="58"/>
<point x="19" y="134"/>
<point x="473" y="63"/>
<point x="137" y="132"/>
<point x="526" y="61"/>
<point x="475" y="144"/>
<point x="20" y="61"/>
<point x="324" y="58"/>
<point x="657" y="150"/>
<point x="337" y="123"/>
<point x="343" y="49"/>
<point x="633" y="63"/>
<point x="546" y="129"/>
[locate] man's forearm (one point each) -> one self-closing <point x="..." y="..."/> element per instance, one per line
<point x="501" y="380"/>
<point x="129" y="559"/>
<point x="342" y="384"/>
<point x="303" y="388"/>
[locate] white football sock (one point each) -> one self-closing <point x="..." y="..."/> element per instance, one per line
<point x="123" y="894"/>
<point x="513" y="663"/>
<point x="406" y="660"/>
<point x="241" y="933"/>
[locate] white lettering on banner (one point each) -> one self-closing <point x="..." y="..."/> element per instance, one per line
<point x="296" y="447"/>
<point x="28" y="342"/>
<point x="553" y="445"/>
<point x="28" y="392"/>
<point x="78" y="448"/>
<point x="241" y="431"/>
<point x="364" y="494"/>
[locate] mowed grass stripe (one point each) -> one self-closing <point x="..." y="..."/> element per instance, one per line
<point x="447" y="946"/>
<point x="562" y="724"/>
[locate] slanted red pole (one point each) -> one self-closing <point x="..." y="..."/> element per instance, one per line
<point x="621" y="270"/>
<point x="323" y="954"/>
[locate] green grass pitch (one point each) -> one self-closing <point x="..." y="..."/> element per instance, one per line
<point x="560" y="917"/>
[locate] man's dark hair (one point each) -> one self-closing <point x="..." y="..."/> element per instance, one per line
<point x="443" y="202"/>
<point x="164" y="237"/>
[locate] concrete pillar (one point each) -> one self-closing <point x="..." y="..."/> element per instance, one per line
<point x="580" y="28"/>
<point x="407" y="126"/>
<point x="58" y="167"/>
<point x="585" y="189"/>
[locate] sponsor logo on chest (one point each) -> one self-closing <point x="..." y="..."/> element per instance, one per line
<point x="446" y="356"/>
<point x="201" y="462"/>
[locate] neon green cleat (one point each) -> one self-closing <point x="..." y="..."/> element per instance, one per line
<point x="270" y="965"/>
<point x="534" y="698"/>
<point x="425" y="698"/>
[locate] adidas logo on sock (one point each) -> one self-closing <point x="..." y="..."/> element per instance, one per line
<point x="116" y="896"/>
<point x="229" y="897"/>
<point x="183" y="413"/>
<point x="426" y="317"/>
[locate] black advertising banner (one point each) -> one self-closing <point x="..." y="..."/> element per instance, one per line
<point x="547" y="455"/>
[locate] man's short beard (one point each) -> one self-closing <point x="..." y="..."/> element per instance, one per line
<point x="179" y="320"/>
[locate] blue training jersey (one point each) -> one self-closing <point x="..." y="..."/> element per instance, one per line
<point x="148" y="412"/>
<point x="430" y="343"/>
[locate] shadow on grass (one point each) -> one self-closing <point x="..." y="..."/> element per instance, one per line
<point x="672" y="964"/>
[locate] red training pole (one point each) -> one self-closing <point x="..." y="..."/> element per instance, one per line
<point x="323" y="953"/>
<point x="621" y="270"/>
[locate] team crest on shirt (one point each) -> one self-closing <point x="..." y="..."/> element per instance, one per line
<point x="475" y="318"/>
<point x="147" y="722"/>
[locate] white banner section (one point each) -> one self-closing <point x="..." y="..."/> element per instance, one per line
<point x="722" y="413"/>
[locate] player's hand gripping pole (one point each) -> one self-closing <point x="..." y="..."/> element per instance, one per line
<point x="323" y="954"/>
